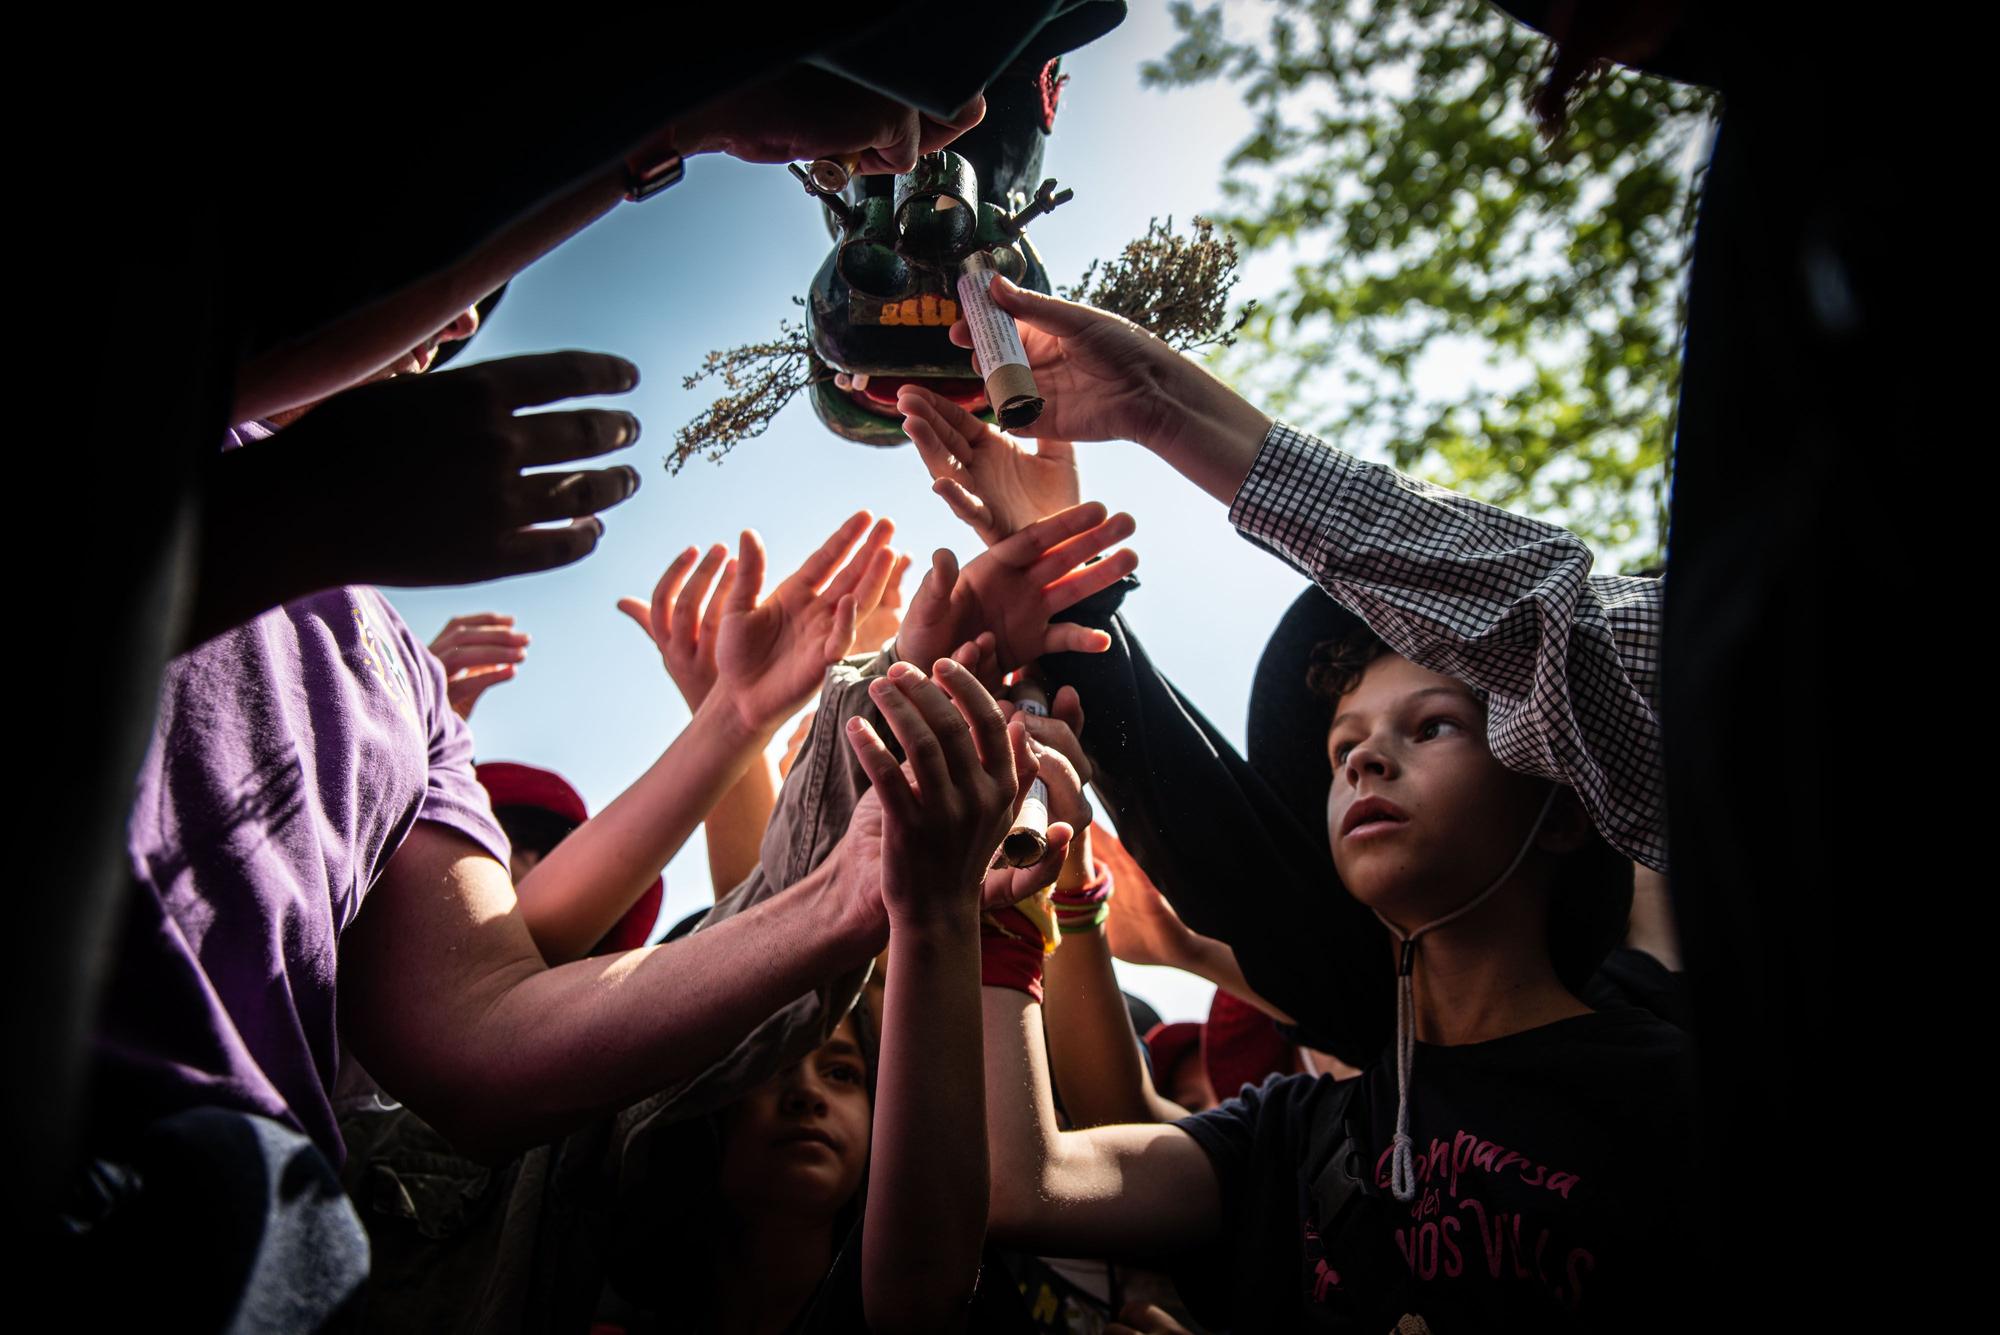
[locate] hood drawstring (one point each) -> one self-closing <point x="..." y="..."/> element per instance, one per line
<point x="1403" y="1177"/>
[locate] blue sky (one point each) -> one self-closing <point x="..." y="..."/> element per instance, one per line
<point x="714" y="262"/>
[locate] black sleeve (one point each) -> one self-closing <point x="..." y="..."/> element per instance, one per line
<point x="1225" y="851"/>
<point x="1631" y="977"/>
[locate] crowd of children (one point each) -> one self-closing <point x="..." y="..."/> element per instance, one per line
<point x="389" y="1040"/>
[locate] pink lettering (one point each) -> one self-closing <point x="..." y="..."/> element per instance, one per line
<point x="1581" y="1263"/>
<point x="1462" y="1146"/>
<point x="1454" y="1260"/>
<point x="1490" y="1240"/>
<point x="1561" y="1183"/>
<point x="1483" y="1157"/>
<point x="1534" y="1178"/>
<point x="1519" y="1271"/>
<point x="1427" y="1252"/>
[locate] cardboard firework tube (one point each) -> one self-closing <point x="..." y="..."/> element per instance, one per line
<point x="1010" y="385"/>
<point x="1028" y="842"/>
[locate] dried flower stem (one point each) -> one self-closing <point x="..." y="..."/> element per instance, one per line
<point x="1177" y="286"/>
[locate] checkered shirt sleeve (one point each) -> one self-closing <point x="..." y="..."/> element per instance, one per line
<point x="1568" y="660"/>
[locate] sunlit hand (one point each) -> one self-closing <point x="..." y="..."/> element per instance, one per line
<point x="995" y="483"/>
<point x="1014" y="588"/>
<point x="1101" y="376"/>
<point x="479" y="652"/>
<point x="772" y="655"/>
<point x="944" y="813"/>
<point x="686" y="616"/>
<point x="879" y="626"/>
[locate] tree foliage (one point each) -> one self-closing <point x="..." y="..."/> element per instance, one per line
<point x="1395" y="163"/>
<point x="1177" y="286"/>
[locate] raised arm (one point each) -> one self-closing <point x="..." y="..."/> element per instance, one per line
<point x="1568" y="659"/>
<point x="1119" y="1190"/>
<point x="1110" y="1190"/>
<point x="803" y="113"/>
<point x="684" y="620"/>
<point x="1093" y="1053"/>
<point x="925" y="1224"/>
<point x="770" y="655"/>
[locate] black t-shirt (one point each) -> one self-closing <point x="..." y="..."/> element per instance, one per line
<point x="1549" y="1168"/>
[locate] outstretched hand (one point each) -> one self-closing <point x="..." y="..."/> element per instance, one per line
<point x="995" y="483"/>
<point x="1104" y="378"/>
<point x="1013" y="589"/>
<point x="938" y="820"/>
<point x="462" y="508"/>
<point x="767" y="657"/>
<point x="415" y="481"/>
<point x="810" y="113"/>
<point x="479" y="651"/>
<point x="1100" y="375"/>
<point x="880" y="625"/>
<point x="684" y="617"/>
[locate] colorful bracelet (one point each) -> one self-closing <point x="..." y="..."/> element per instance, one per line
<point x="1085" y="908"/>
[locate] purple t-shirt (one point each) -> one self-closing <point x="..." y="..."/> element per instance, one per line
<point x="291" y="757"/>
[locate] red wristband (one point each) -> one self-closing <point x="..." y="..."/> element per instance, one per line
<point x="1010" y="952"/>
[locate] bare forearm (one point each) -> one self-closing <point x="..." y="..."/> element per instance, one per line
<point x="1213" y="433"/>
<point x="326" y="362"/>
<point x="735" y="825"/>
<point x="554" y="1047"/>
<point x="1021" y="1131"/>
<point x="579" y="892"/>
<point x="926" y="1216"/>
<point x="1093" y="1053"/>
<point x="1120" y="1190"/>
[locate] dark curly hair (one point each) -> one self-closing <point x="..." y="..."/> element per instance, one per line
<point x="1591" y="898"/>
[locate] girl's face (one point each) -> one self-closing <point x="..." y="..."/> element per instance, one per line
<point x="799" y="1141"/>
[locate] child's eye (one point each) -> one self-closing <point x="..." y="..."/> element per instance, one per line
<point x="845" y="1074"/>
<point x="1434" y="728"/>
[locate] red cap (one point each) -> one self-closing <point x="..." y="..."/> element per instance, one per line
<point x="1168" y="1044"/>
<point x="514" y="785"/>
<point x="1241" y="1046"/>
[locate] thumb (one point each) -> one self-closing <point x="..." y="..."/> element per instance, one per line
<point x="1044" y="873"/>
<point x="1051" y="315"/>
<point x="639" y="612"/>
<point x="963" y="503"/>
<point x="939" y="580"/>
